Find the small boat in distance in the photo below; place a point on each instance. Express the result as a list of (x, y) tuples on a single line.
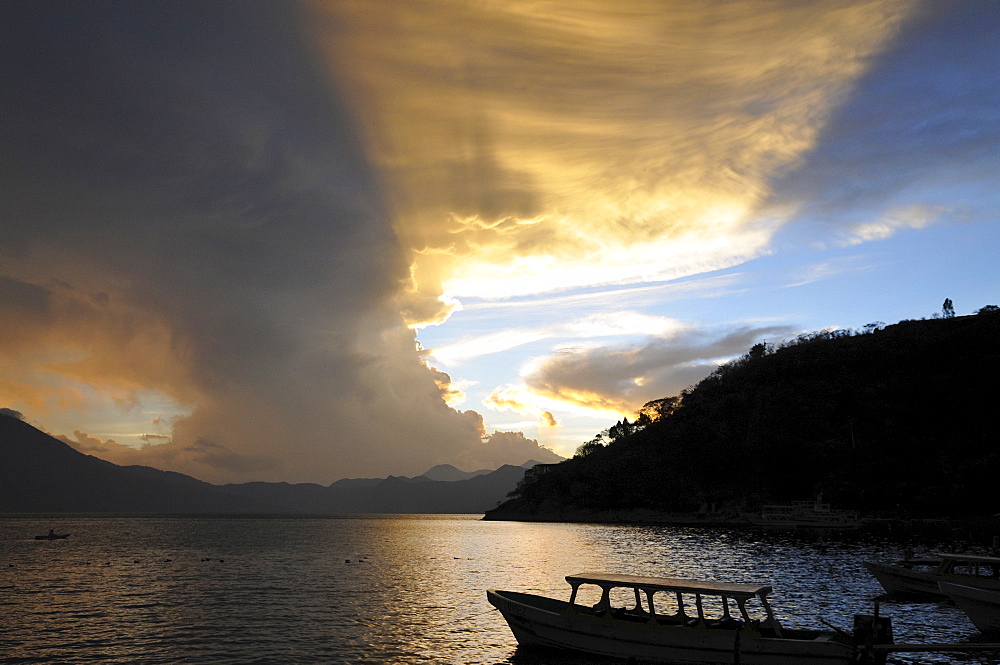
[(682, 621), (920, 577), (982, 606), (52, 535)]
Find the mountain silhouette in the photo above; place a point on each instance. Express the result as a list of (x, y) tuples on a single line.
[(40, 474), (451, 473)]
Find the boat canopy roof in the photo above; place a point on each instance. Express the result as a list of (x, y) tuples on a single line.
[(969, 558), (671, 584)]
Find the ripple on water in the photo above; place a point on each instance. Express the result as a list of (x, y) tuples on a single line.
[(383, 589)]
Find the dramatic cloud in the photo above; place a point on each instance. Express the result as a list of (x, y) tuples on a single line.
[(188, 212), (225, 220), (530, 147)]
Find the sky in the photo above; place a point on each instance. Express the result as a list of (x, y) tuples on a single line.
[(304, 241)]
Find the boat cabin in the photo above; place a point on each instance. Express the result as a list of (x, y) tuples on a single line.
[(670, 601)]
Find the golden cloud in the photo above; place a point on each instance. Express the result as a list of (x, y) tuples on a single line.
[(72, 346), (537, 402), (529, 147)]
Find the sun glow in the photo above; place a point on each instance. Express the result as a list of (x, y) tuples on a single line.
[(534, 403)]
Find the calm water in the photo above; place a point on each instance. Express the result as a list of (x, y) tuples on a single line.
[(381, 589)]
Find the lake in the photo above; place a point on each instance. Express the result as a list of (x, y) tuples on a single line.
[(386, 588)]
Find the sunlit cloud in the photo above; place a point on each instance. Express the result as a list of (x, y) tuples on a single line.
[(530, 148), (534, 404), (623, 323), (714, 286), (912, 217), (485, 344), (597, 325), (616, 381), (454, 391)]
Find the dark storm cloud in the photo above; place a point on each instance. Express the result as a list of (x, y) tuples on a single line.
[(192, 179)]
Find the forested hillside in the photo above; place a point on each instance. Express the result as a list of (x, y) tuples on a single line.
[(897, 420)]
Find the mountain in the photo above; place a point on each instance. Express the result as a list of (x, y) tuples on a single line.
[(449, 473), (395, 494), (39, 473), (894, 421)]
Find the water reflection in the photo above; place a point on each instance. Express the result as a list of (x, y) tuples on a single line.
[(387, 589)]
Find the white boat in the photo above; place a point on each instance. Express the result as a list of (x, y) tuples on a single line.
[(920, 577), (681, 621), (982, 606), (805, 515)]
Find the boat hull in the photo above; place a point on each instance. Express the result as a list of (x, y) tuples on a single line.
[(982, 606), (537, 621), (903, 581)]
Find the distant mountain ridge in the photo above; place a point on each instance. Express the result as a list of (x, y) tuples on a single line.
[(39, 473), (441, 472), (449, 473)]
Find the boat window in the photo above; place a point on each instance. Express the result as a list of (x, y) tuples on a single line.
[(665, 603), (690, 604), (670, 604), (964, 568), (754, 608), (715, 607), (588, 595), (622, 597)]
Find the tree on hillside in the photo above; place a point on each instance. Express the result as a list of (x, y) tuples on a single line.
[(948, 310), (591, 446), (659, 408)]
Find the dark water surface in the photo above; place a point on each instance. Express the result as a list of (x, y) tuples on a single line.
[(385, 589)]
